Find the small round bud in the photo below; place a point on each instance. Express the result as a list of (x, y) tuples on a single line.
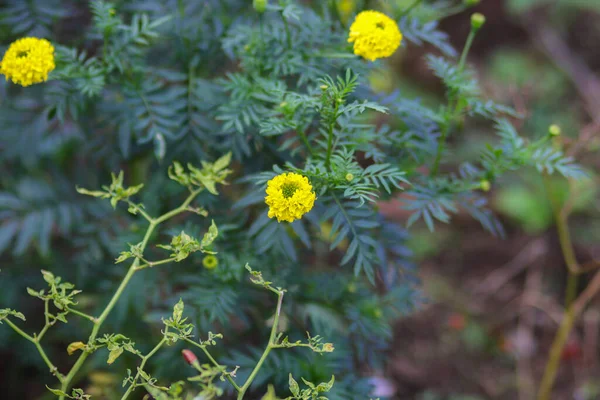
[(189, 357), (485, 185), (210, 262), (554, 130), (260, 5), (477, 21), (283, 104), (323, 87), (112, 12), (351, 287), (349, 177), (471, 3)]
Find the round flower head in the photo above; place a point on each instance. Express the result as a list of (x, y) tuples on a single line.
[(289, 197), (375, 35), (28, 61), (210, 262)]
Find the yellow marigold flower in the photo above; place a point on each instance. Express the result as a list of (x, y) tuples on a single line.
[(375, 35), (210, 262), (289, 197), (28, 61)]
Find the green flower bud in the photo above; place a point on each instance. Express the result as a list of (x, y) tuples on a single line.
[(485, 185), (210, 262), (349, 177), (477, 21), (323, 87), (260, 5), (554, 130)]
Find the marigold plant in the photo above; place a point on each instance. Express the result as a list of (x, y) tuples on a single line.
[(254, 157)]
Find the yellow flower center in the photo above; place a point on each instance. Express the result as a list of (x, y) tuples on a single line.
[(288, 189)]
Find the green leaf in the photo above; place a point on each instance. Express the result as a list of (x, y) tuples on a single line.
[(114, 354), (7, 311), (178, 311), (35, 293), (294, 388), (222, 162), (94, 193), (48, 277), (210, 236), (58, 392), (326, 387)]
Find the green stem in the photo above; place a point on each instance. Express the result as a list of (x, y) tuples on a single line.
[(455, 108), (83, 315), (440, 148), (214, 362), (141, 367), (288, 35), (566, 325), (269, 347), (333, 55), (40, 335), (183, 207), (330, 135), (151, 264), (113, 301), (141, 211), (304, 138), (38, 346), (555, 352), (465, 52)]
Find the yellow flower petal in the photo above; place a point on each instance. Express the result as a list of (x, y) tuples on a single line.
[(375, 35), (289, 197), (28, 61)]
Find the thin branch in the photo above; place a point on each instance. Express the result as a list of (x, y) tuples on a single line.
[(214, 362)]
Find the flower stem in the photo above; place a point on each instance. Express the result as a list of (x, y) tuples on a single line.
[(466, 49), (214, 362), (568, 320), (440, 148), (268, 349), (304, 138), (151, 264), (83, 315), (141, 367), (38, 346), (288, 35), (453, 105), (66, 382), (330, 135)]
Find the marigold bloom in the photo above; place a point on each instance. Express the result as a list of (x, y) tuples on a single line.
[(210, 262), (289, 197), (28, 61), (375, 35)]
